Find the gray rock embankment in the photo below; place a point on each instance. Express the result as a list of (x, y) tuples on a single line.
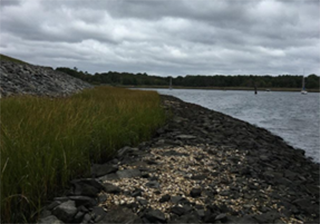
[(21, 79), (202, 167)]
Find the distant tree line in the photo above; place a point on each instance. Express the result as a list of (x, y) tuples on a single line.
[(130, 79)]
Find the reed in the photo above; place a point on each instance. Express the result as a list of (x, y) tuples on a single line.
[(46, 142)]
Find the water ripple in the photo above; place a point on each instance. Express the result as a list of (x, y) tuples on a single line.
[(291, 115)]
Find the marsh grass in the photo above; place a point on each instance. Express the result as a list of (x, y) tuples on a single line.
[(46, 142)]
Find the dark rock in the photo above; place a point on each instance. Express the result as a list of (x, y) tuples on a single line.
[(98, 170), (61, 199), (283, 181), (314, 210), (127, 151), (121, 152), (110, 188), (50, 219), (290, 175), (195, 192), (178, 210), (224, 193), (279, 221), (137, 192), (120, 215), (87, 187), (142, 201), (245, 220), (169, 142), (224, 208), (83, 209), (199, 177), (142, 167), (222, 217), (112, 176), (264, 157), (102, 198), (210, 193), (151, 162), (145, 175), (315, 220), (53, 205), (84, 200), (153, 184), (98, 213), (45, 212), (155, 216), (161, 131), (176, 199), (164, 198), (188, 218), (65, 211), (268, 217), (144, 220), (209, 217), (200, 213), (87, 218), (153, 178), (133, 206), (128, 173), (184, 201), (78, 217), (303, 202), (313, 189)]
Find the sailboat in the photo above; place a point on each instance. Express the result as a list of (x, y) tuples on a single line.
[(303, 91)]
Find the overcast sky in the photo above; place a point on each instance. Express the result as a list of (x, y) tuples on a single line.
[(165, 37)]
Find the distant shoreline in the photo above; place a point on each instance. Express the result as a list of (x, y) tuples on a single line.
[(224, 88)]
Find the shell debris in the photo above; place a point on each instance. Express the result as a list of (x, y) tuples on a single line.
[(176, 171)]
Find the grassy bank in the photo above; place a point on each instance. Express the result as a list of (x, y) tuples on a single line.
[(7, 58), (46, 142)]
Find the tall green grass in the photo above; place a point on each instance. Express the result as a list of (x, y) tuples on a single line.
[(46, 142)]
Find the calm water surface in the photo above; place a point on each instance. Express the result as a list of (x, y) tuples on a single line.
[(291, 115)]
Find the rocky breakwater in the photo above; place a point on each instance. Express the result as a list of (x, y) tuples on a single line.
[(202, 167), (20, 79)]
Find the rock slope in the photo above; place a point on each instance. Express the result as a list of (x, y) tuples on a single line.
[(202, 167), (18, 79)]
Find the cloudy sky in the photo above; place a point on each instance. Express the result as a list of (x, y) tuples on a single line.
[(164, 37)]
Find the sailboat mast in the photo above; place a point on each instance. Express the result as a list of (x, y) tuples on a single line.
[(303, 84), (303, 91)]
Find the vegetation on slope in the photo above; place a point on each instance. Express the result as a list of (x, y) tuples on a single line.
[(247, 81), (46, 142), (7, 58)]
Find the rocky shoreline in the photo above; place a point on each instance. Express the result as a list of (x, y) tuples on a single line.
[(201, 167)]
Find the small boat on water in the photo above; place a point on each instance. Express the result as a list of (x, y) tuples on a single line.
[(303, 91)]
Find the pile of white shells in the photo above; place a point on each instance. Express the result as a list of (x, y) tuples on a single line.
[(173, 174)]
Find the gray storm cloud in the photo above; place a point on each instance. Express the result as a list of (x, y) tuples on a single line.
[(165, 37)]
